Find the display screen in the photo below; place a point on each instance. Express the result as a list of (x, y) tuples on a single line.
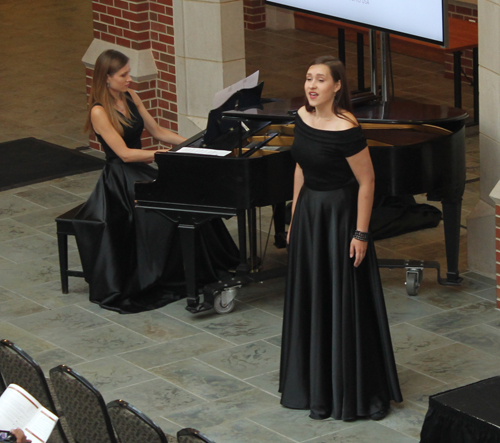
[(422, 19)]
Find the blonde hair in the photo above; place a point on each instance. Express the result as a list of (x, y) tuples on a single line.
[(108, 63)]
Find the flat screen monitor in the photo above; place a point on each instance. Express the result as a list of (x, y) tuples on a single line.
[(425, 20)]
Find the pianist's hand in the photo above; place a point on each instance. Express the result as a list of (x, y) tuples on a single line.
[(358, 251)]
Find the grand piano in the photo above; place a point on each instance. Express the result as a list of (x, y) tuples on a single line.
[(415, 149)]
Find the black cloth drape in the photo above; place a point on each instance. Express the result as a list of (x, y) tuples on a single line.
[(132, 258), (470, 414)]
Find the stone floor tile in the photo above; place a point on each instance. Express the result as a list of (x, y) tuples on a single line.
[(245, 327), (176, 350), (103, 341), (215, 413), (245, 361), (178, 310), (403, 308), (201, 379), (30, 343), (155, 397), (50, 296), (21, 277), (244, 431), (460, 318), (11, 206), (272, 304), (55, 357), (15, 310), (41, 216), (483, 337), (421, 397), (408, 340), (49, 197), (454, 362), (26, 249), (366, 431), (406, 418), (156, 326), (11, 229), (412, 382), (110, 373), (296, 424), (64, 322)]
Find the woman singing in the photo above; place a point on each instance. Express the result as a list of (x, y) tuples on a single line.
[(337, 358)]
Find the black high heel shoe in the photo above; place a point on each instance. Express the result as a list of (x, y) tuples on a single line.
[(379, 415)]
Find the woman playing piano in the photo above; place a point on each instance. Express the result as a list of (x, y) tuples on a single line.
[(337, 359), (132, 258)]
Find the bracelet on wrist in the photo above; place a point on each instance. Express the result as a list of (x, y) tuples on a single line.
[(362, 236)]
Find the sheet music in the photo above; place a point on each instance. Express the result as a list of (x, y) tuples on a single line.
[(202, 151), (249, 82)]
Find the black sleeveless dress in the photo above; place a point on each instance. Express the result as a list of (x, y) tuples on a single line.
[(336, 356), (132, 258)]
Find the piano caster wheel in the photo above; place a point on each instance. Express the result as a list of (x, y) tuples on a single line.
[(413, 279), (224, 302)]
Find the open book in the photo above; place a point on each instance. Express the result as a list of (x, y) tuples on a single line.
[(19, 409)]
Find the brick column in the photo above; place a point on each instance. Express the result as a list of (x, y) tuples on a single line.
[(254, 14), (467, 14), (144, 31)]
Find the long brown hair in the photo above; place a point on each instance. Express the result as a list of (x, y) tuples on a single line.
[(108, 63), (342, 101)]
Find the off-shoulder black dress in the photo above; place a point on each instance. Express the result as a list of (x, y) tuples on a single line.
[(132, 258), (337, 358)]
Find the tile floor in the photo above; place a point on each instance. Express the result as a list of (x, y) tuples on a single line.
[(217, 373)]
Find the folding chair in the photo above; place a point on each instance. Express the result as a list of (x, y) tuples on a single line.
[(83, 407), (133, 426), (16, 366), (190, 435)]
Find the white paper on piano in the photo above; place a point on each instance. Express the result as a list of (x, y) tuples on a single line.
[(249, 82), (19, 409), (202, 151)]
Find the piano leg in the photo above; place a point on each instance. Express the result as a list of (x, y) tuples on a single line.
[(243, 267), (255, 262), (279, 214), (451, 218), (188, 243)]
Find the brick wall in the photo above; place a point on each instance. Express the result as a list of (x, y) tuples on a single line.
[(142, 24), (254, 14), (463, 13)]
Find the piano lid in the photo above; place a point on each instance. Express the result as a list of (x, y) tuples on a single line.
[(406, 111), (395, 111)]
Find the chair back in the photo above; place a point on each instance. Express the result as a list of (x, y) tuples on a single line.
[(83, 407), (132, 425), (190, 435), (16, 366)]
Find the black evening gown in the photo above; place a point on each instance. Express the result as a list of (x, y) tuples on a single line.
[(132, 258), (336, 358)]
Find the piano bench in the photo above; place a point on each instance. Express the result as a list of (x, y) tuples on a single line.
[(64, 228)]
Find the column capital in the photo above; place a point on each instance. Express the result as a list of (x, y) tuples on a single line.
[(142, 63)]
